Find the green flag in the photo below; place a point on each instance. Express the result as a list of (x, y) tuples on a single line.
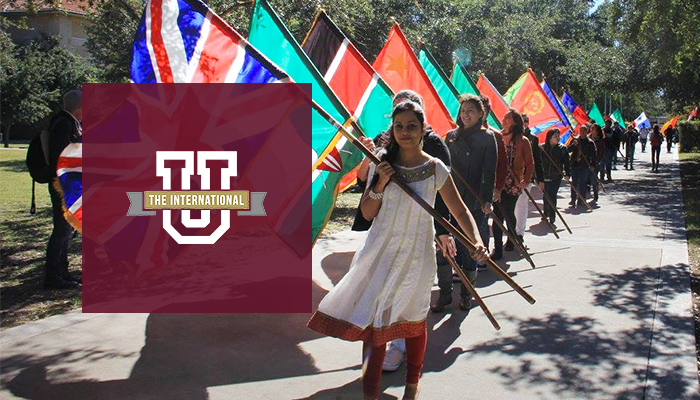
[(617, 116), (272, 38), (464, 84), (596, 115), (446, 91)]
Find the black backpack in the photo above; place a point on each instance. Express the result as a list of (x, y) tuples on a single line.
[(38, 158)]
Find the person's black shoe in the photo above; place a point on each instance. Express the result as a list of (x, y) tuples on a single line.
[(56, 282), (443, 301), (496, 254), (465, 303), (509, 246)]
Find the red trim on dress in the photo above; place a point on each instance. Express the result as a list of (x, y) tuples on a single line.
[(330, 326)]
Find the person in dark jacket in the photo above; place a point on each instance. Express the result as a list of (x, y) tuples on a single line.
[(473, 154), (631, 139), (65, 128), (555, 160), (596, 136), (583, 156), (522, 206), (668, 134), (609, 151), (618, 139)]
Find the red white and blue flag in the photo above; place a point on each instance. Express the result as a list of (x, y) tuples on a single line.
[(69, 171), (183, 41)]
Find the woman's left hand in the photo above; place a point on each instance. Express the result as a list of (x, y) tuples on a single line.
[(480, 253)]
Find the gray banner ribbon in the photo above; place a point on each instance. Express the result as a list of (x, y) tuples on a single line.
[(256, 205)]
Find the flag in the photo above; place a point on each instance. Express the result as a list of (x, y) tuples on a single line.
[(183, 41), (670, 124), (526, 96), (330, 161), (693, 114), (595, 114), (444, 88), (576, 111), (617, 116), (498, 105), (69, 184), (641, 121), (400, 68), (566, 132), (464, 84), (357, 85)]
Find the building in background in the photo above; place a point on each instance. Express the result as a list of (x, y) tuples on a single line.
[(65, 20)]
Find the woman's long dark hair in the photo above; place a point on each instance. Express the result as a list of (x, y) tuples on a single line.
[(390, 152), (550, 133), (476, 100), (519, 126)]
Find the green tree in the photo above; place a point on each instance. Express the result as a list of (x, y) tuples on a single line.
[(40, 72)]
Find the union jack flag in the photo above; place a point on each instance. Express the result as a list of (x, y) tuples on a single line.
[(184, 41), (69, 182)]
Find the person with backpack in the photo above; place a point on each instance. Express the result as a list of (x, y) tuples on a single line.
[(65, 128)]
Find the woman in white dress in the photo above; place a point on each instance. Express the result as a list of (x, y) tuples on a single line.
[(386, 293)]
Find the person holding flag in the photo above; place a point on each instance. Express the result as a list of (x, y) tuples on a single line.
[(386, 293), (522, 206), (520, 166), (555, 162), (583, 156), (631, 139), (609, 145), (473, 154), (669, 133), (597, 138)]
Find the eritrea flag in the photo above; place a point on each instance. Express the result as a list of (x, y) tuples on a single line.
[(357, 85), (596, 115), (498, 104), (400, 68), (464, 84), (526, 96)]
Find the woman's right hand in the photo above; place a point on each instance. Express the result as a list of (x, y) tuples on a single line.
[(385, 171), (368, 143)]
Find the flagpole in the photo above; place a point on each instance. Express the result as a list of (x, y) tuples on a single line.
[(401, 184), (470, 287), (496, 220)]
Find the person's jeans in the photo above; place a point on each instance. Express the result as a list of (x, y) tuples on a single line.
[(608, 160), (655, 153), (468, 265), (629, 159), (579, 176), (644, 144), (508, 202), (669, 143), (57, 248), (551, 188)]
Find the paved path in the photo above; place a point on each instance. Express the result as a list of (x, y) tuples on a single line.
[(612, 321)]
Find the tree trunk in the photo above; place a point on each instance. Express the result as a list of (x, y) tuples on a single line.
[(6, 134)]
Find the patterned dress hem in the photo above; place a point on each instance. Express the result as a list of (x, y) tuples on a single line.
[(340, 329)]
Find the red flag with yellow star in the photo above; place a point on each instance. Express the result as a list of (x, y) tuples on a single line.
[(400, 69)]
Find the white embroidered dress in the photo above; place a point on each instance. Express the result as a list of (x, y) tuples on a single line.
[(386, 293)]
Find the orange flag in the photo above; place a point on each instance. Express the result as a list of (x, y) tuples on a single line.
[(498, 105), (400, 69), (671, 123)]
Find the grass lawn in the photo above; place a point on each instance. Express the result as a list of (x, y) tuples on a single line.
[(23, 239), (344, 213), (690, 176)]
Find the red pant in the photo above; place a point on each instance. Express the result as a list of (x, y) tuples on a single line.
[(373, 358)]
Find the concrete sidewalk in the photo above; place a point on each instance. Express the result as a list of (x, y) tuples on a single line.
[(613, 320)]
